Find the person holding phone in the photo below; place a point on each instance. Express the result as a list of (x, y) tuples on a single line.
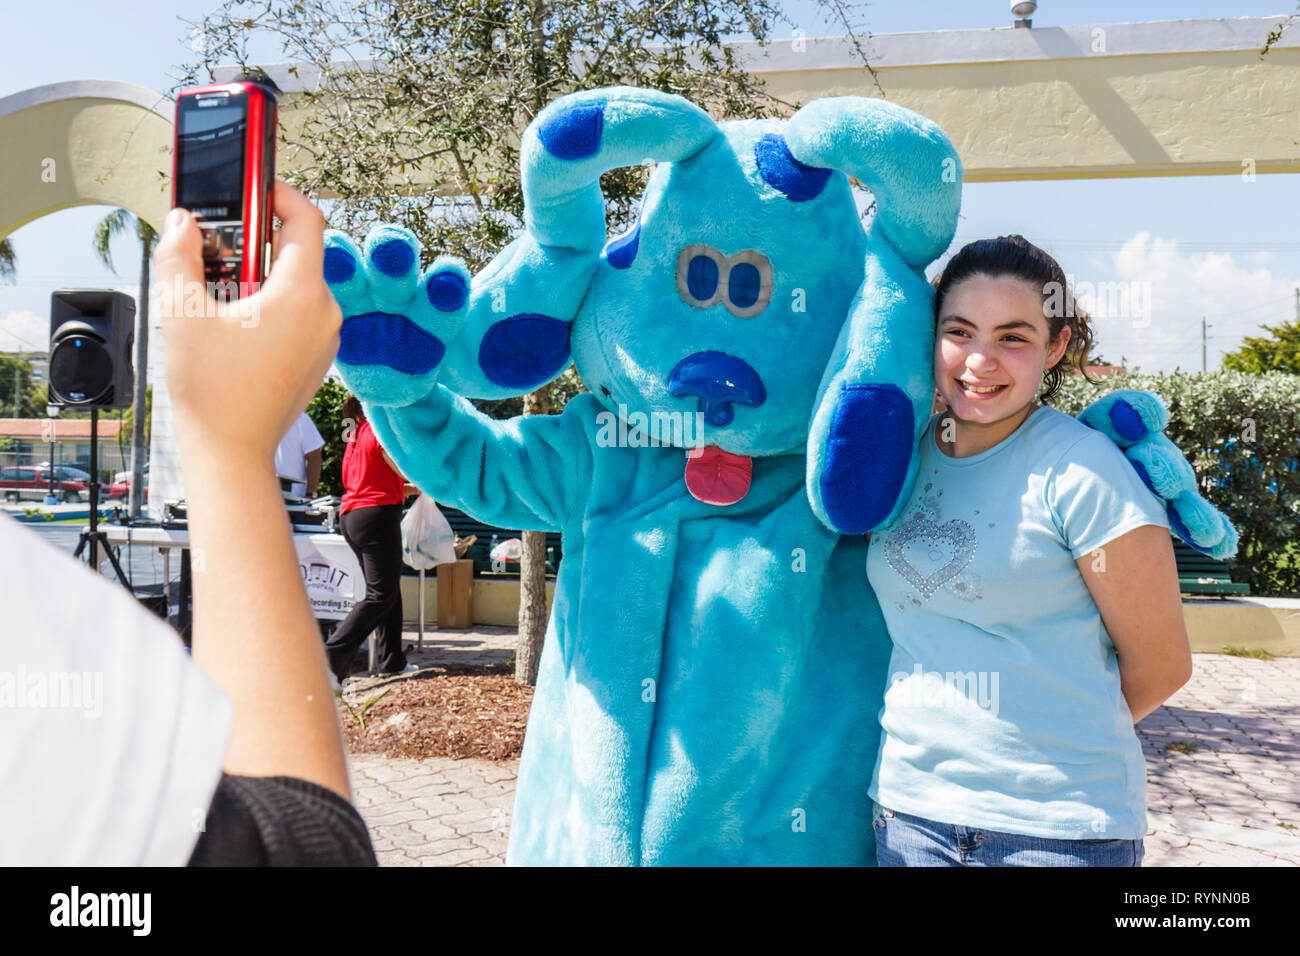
[(1031, 593), (235, 756)]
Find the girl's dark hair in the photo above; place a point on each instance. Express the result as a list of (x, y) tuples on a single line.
[(1016, 257), (351, 408)]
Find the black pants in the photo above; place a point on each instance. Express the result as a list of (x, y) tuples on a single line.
[(375, 536)]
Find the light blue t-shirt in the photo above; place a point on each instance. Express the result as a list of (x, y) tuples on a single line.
[(1003, 709)]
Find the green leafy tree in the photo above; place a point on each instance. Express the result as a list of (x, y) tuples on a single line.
[(20, 395), (1279, 351), (412, 113), (326, 412), (8, 261), (16, 372)]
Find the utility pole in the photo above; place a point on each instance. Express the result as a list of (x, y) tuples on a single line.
[(1297, 304), (1203, 337)]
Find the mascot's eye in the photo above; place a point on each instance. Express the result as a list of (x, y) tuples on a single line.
[(702, 278), (699, 267), (741, 283)]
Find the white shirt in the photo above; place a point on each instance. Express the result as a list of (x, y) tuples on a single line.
[(294, 446), (111, 738)]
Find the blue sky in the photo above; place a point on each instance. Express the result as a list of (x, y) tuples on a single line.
[(1212, 246)]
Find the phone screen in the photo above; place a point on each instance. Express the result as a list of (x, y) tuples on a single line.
[(210, 169)]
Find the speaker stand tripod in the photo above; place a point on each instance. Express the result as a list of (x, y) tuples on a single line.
[(93, 536)]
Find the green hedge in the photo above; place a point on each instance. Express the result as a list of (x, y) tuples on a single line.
[(1241, 432)]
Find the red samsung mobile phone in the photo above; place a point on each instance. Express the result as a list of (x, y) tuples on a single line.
[(223, 172)]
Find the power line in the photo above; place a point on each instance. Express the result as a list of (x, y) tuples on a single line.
[(1195, 244), (34, 348)]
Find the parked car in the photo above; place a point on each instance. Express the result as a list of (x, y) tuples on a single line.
[(32, 483), (67, 472), (122, 489), (121, 476), (121, 486)]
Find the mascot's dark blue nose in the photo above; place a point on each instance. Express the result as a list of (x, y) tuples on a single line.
[(720, 380)]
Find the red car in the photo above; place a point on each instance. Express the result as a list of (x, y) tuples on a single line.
[(27, 482), (121, 489)]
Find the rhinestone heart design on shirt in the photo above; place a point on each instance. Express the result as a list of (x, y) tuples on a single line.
[(922, 527)]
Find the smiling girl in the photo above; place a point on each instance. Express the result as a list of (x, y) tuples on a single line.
[(1031, 593)]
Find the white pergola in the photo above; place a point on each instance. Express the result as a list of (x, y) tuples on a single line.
[(1172, 98)]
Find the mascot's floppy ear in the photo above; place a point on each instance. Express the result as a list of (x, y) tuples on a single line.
[(521, 307), (578, 137), (905, 160), (878, 386)]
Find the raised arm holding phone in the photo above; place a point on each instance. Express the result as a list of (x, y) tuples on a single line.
[(233, 756), (249, 600)]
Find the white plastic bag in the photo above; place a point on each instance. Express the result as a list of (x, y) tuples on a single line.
[(511, 549), (427, 539)]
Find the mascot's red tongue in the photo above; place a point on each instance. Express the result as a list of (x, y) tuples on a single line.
[(718, 477)]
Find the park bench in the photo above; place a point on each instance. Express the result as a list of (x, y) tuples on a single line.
[(479, 552), (1201, 574)]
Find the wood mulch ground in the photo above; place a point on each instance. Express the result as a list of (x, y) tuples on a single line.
[(443, 711)]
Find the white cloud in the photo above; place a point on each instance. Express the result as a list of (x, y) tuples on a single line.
[(1234, 296)]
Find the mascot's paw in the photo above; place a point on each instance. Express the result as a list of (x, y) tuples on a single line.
[(1126, 417), (397, 323), (869, 444), (1135, 421)]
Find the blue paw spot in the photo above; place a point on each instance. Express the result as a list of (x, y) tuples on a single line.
[(524, 351), (1128, 423), (573, 133), (1143, 474), (784, 173), (447, 291), (720, 382), (744, 285), (379, 338), (1180, 529), (339, 265), (621, 250), (868, 452), (702, 278), (393, 258)]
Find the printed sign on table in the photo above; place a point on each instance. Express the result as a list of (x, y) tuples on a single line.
[(331, 574)]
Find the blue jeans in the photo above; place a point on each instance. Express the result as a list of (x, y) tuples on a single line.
[(903, 840)]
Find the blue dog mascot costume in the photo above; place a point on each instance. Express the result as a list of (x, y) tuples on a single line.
[(760, 371)]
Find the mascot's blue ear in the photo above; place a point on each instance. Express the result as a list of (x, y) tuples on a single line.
[(878, 387), (522, 306), (578, 137), (905, 160)]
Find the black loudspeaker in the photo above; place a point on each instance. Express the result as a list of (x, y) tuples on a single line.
[(92, 333)]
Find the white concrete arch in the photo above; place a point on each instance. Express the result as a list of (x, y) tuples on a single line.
[(85, 142)]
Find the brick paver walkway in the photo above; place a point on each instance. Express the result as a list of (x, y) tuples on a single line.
[(1223, 766), (1223, 770)]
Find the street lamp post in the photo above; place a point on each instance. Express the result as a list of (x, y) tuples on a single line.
[(52, 411)]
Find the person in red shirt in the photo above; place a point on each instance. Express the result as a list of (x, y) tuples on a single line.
[(371, 521)]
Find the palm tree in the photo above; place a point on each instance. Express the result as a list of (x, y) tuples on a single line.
[(119, 221), (8, 261)]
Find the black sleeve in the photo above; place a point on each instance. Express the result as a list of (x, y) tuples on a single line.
[(281, 821)]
